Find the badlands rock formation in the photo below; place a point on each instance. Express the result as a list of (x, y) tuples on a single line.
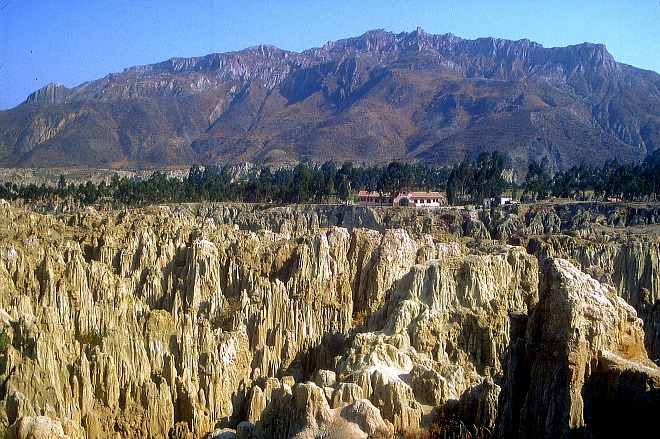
[(320, 321)]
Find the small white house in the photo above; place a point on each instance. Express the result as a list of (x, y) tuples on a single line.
[(489, 202), (403, 198)]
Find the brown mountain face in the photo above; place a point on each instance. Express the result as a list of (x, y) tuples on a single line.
[(370, 99)]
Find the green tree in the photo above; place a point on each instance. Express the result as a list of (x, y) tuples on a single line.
[(488, 180), (61, 182), (537, 181), (302, 178), (651, 166), (343, 178), (395, 177), (460, 182)]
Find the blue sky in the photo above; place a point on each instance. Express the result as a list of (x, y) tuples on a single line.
[(70, 42)]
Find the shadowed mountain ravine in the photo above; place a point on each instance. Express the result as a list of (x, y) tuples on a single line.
[(370, 99)]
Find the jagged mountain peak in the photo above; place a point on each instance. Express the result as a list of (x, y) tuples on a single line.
[(372, 98), (383, 42), (52, 92), (212, 62)]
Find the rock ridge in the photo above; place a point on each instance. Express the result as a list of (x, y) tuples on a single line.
[(307, 321), (381, 96)]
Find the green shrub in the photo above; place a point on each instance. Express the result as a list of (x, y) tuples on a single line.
[(5, 342), (91, 337), (224, 317)]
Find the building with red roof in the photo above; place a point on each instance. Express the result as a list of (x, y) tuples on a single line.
[(402, 198)]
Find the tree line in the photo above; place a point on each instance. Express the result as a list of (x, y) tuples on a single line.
[(613, 180), (304, 183), (331, 182), (472, 182)]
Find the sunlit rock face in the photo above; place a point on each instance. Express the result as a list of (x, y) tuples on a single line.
[(328, 321), (631, 264), (581, 361)]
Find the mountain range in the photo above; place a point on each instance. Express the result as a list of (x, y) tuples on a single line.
[(372, 99)]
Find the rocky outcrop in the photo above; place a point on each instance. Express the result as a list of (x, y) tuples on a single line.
[(56, 93), (141, 321), (569, 371), (616, 243), (305, 321), (443, 330), (629, 263), (43, 427)]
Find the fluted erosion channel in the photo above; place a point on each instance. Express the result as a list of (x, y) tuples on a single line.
[(324, 321)]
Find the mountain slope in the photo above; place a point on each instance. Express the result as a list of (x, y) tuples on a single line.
[(374, 98)]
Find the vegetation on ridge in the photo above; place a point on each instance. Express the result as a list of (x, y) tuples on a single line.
[(303, 183), (465, 182)]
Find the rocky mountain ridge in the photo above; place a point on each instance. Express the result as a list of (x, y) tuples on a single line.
[(374, 98), (335, 321)]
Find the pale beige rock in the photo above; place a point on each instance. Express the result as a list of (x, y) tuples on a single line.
[(39, 427), (18, 406), (422, 351), (543, 221), (171, 322), (346, 393), (395, 400), (288, 380), (256, 403), (363, 413), (309, 399), (628, 262), (580, 337), (325, 378), (428, 385)]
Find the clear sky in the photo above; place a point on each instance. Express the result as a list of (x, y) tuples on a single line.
[(73, 41)]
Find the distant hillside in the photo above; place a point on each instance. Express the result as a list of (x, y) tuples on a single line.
[(370, 99)]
